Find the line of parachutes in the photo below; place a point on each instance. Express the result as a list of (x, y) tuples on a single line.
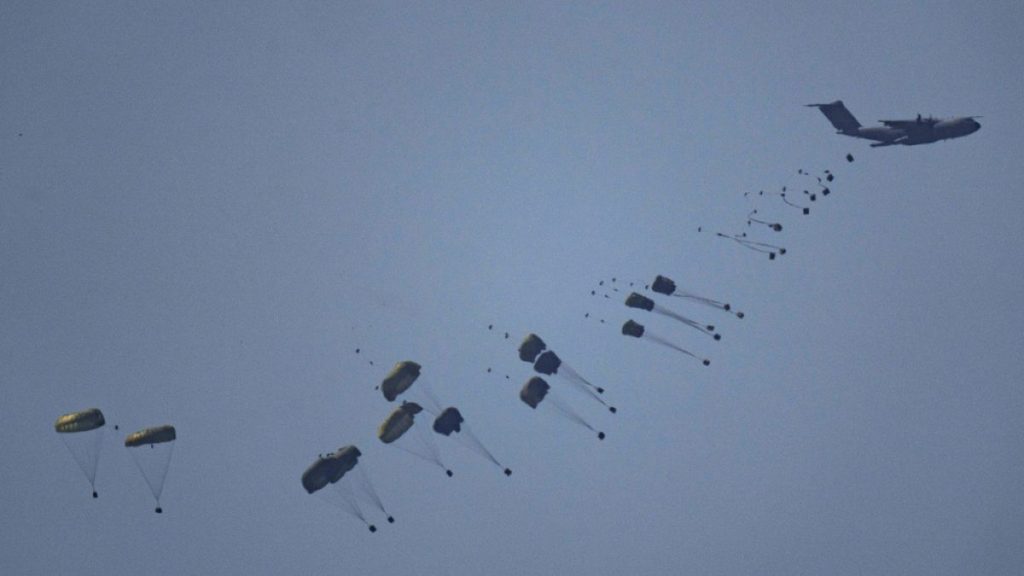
[(150, 448), (341, 478)]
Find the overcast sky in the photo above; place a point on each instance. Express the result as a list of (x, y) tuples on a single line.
[(205, 209)]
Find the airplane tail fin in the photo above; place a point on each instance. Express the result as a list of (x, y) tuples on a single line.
[(838, 115)]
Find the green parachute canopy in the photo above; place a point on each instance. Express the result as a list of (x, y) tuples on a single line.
[(634, 329), (83, 421), (399, 379), (351, 490), (82, 434), (531, 346), (448, 421), (153, 462), (534, 391), (150, 436), (640, 301), (330, 468), (547, 363), (663, 285), (398, 422)]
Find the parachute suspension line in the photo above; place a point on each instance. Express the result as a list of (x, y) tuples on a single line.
[(739, 241), (351, 503), (431, 452), (706, 329), (473, 441), (574, 375), (145, 476), (568, 412), (86, 453), (586, 387), (770, 249), (773, 225), (419, 455), (703, 300), (157, 488), (590, 392), (764, 244), (367, 485), (709, 302), (342, 497), (664, 342), (805, 209), (434, 407)]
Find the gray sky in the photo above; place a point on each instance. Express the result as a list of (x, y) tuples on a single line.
[(204, 210)]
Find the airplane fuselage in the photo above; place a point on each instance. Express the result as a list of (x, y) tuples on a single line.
[(925, 134), (905, 132)]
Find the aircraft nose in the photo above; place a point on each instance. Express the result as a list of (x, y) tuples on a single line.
[(975, 125)]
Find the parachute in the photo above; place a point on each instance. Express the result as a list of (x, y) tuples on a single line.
[(419, 443), (642, 302), (637, 330), (151, 436), (665, 285), (547, 363), (83, 421), (450, 421), (537, 390), (398, 422), (329, 469), (532, 346), (82, 434), (336, 468), (639, 301), (154, 461), (534, 391), (631, 328), (399, 379)]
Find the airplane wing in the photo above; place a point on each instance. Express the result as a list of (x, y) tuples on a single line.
[(910, 124), (899, 140)]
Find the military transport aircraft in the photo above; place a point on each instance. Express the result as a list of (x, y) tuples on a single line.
[(906, 132)]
